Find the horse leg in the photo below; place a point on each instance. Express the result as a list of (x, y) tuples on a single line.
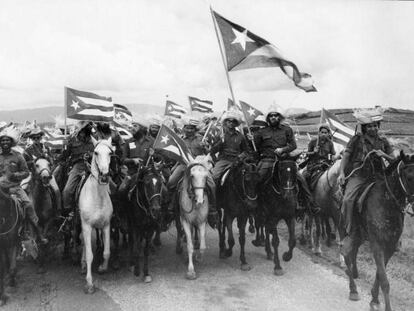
[(241, 223), (115, 256), (302, 238), (148, 235), (87, 241), (268, 249), (251, 224), (353, 291), (316, 236), (106, 237), (277, 270), (230, 239), (138, 242), (222, 237), (196, 238), (3, 297), (178, 245), (157, 238), (202, 230), (191, 275), (99, 247), (12, 265), (287, 256), (381, 260)]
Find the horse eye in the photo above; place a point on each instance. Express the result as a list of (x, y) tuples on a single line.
[(95, 153)]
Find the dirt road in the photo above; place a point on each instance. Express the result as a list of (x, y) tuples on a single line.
[(220, 285)]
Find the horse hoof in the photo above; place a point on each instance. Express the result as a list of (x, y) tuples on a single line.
[(251, 229), (287, 256), (148, 279), (354, 296), (269, 256), (258, 243), (278, 272), (41, 270), (374, 306), (245, 267), (190, 275), (228, 252), (102, 269), (89, 289)]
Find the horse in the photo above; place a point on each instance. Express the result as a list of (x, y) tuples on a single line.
[(278, 199), (46, 203), (144, 215), (327, 195), (193, 201), (238, 199), (96, 209), (9, 238), (381, 220)]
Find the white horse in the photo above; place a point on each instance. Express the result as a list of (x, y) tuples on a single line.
[(96, 208), (194, 207)]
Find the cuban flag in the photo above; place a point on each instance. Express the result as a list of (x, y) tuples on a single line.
[(81, 105), (122, 115), (174, 110), (201, 105), (341, 133), (250, 113)]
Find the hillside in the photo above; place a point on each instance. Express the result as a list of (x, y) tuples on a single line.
[(396, 122)]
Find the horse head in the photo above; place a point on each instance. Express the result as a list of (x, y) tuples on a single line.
[(101, 159), (151, 187), (284, 176), (197, 173), (42, 170), (405, 170), (247, 178)]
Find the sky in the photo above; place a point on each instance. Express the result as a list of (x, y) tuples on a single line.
[(359, 53)]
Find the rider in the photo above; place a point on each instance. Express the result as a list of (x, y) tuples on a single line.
[(197, 147), (13, 169), (38, 150), (154, 127), (79, 150), (277, 139), (320, 153), (358, 174), (232, 147)]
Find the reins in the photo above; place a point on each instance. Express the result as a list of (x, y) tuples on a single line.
[(17, 214)]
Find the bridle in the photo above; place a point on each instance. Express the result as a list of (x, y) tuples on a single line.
[(45, 169), (244, 186), (140, 204), (401, 182), (289, 188), (97, 167), (190, 186)]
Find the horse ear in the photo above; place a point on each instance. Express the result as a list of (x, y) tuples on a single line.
[(110, 140), (94, 141), (403, 156)]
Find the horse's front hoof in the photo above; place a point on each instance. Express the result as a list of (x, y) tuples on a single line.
[(41, 270), (317, 252), (374, 306), (278, 272), (354, 296), (287, 256), (190, 275), (3, 299), (251, 229), (245, 267), (102, 269), (229, 252), (147, 279), (89, 289)]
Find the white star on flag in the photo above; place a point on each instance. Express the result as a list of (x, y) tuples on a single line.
[(165, 139), (75, 105), (251, 112), (241, 38)]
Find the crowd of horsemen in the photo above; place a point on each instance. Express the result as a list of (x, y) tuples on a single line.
[(268, 140)]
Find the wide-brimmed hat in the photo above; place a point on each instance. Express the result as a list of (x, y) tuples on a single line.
[(11, 133), (36, 132), (324, 126), (260, 121), (190, 121), (368, 115), (232, 115)]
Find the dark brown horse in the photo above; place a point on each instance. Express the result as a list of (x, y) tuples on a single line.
[(381, 221), (278, 199), (144, 216), (238, 199), (9, 226)]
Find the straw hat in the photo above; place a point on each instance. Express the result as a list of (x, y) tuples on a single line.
[(232, 115), (368, 115), (12, 133), (36, 132)]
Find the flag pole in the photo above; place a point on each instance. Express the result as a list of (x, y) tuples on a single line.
[(228, 76), (65, 108)]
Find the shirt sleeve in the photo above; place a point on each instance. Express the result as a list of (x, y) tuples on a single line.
[(350, 147), (290, 141)]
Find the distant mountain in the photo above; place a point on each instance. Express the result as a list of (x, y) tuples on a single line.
[(47, 114)]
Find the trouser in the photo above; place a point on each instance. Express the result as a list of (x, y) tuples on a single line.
[(56, 191), (219, 169), (75, 176), (264, 169), (26, 204), (352, 191)]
